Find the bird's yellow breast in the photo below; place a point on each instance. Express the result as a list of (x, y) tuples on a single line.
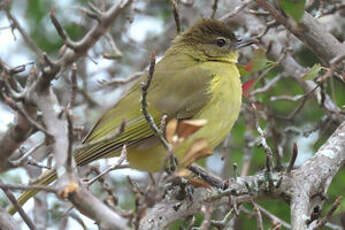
[(221, 112)]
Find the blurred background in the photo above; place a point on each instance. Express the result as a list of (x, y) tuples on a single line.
[(149, 25)]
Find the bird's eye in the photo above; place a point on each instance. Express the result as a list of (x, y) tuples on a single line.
[(221, 42)]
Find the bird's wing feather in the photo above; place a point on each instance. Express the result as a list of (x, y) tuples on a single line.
[(178, 93)]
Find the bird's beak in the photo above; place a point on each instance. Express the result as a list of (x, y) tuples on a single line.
[(243, 42)]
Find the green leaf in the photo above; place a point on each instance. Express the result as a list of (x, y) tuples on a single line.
[(312, 73), (293, 8), (258, 62)]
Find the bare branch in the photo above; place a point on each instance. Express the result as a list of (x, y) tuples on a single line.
[(293, 158), (144, 105), (93, 208), (26, 38), (258, 215), (214, 8), (12, 198), (322, 43), (330, 212), (119, 164), (176, 16), (6, 220)]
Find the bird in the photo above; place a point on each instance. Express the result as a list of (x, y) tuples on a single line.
[(197, 78)]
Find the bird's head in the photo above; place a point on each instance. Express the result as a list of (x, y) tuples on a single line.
[(210, 39)]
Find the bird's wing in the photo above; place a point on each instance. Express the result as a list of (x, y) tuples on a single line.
[(174, 93), (183, 94)]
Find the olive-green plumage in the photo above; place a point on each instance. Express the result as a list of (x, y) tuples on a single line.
[(196, 79)]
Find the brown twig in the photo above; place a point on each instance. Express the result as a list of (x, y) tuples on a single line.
[(330, 212), (144, 105), (258, 216), (293, 158), (116, 81), (26, 38), (119, 164), (10, 102), (214, 8), (236, 11), (115, 52), (73, 83), (63, 34), (12, 198), (176, 16), (220, 224), (26, 155), (206, 176), (69, 161), (274, 218)]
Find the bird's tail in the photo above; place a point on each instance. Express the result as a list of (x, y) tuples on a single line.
[(45, 179)]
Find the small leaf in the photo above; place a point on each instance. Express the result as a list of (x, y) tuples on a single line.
[(188, 127), (197, 150), (170, 130), (258, 62), (293, 8), (176, 132), (249, 66), (312, 73), (247, 87)]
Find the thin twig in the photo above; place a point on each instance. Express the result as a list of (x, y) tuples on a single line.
[(330, 212), (28, 187), (176, 16), (220, 224), (293, 158), (274, 218), (63, 34), (121, 81), (12, 198), (144, 105), (9, 101), (115, 52), (262, 142), (123, 157), (74, 83), (286, 98), (69, 161), (258, 217), (26, 38), (267, 87), (236, 11), (206, 176), (25, 156), (214, 8)]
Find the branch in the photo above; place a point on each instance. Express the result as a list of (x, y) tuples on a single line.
[(26, 38), (275, 45), (165, 212), (310, 32), (93, 208), (313, 178), (144, 104), (176, 16), (12, 198), (7, 221)]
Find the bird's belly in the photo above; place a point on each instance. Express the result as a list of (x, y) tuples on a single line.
[(221, 113), (148, 155)]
